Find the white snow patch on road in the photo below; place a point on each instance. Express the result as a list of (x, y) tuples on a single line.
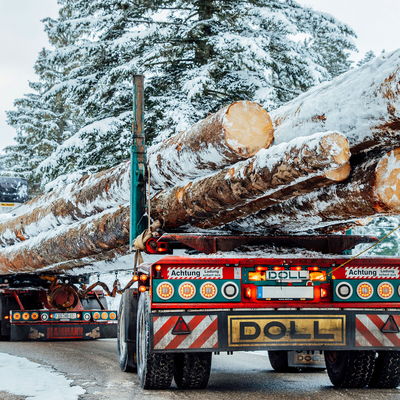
[(22, 377)]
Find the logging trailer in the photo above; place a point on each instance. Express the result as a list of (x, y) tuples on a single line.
[(48, 306), (186, 308)]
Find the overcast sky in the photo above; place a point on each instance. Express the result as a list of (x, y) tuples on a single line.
[(21, 38)]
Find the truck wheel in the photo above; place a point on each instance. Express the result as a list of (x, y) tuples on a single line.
[(155, 370), (192, 370), (387, 370), (350, 369), (279, 361), (126, 331)]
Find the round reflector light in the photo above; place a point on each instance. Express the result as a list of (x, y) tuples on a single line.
[(344, 290), (365, 290), (385, 290), (208, 290), (25, 316), (187, 290), (44, 317), (17, 316), (34, 315), (165, 290), (230, 290), (87, 316)]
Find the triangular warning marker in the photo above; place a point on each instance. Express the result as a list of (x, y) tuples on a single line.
[(181, 327), (390, 326)]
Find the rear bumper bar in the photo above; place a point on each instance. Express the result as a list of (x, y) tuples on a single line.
[(63, 331), (277, 330)]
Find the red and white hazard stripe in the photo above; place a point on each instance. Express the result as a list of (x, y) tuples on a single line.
[(369, 334), (203, 333)]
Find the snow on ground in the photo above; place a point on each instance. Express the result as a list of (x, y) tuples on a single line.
[(22, 377)]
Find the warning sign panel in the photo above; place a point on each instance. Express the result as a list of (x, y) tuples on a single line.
[(286, 330)]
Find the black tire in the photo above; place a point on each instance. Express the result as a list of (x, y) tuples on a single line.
[(387, 370), (5, 307), (155, 370), (126, 331), (350, 369), (192, 370), (279, 361)]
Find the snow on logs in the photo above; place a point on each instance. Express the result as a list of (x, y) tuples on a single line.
[(234, 133), (372, 189), (95, 238), (272, 175), (90, 195), (363, 104)]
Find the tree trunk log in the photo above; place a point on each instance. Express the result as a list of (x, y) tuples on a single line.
[(234, 133), (363, 104), (90, 195), (83, 241), (372, 189), (284, 170)]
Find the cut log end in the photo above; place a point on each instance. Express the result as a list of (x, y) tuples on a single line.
[(387, 180), (339, 174), (337, 145), (248, 128)]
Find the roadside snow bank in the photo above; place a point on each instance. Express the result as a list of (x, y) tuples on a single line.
[(20, 376)]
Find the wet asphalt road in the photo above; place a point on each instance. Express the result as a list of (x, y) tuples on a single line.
[(93, 366)]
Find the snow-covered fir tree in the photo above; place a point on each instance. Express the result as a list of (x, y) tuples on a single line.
[(368, 56), (197, 55)]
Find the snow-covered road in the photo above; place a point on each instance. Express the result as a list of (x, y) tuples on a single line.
[(22, 377)]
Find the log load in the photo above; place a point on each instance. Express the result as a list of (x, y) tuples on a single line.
[(234, 133), (363, 104), (90, 195), (272, 175), (95, 238), (372, 189)]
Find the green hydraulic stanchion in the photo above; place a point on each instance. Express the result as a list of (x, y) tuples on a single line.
[(138, 163)]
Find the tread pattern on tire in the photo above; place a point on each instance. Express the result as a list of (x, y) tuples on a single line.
[(127, 361), (158, 368), (352, 369), (192, 370), (387, 370)]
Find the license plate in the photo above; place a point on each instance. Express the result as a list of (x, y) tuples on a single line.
[(285, 292), (306, 358), (65, 316)]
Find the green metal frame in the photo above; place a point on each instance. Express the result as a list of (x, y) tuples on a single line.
[(138, 163)]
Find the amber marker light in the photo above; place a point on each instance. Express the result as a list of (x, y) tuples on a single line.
[(142, 289), (318, 276), (324, 293), (257, 276), (25, 316), (96, 315), (365, 290), (35, 315), (164, 290), (135, 278), (187, 290), (208, 290), (144, 277), (247, 293), (113, 315), (17, 316), (385, 290), (158, 268)]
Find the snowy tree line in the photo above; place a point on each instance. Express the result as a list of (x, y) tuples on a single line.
[(197, 55)]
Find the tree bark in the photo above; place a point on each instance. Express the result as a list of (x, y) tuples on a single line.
[(90, 195), (234, 133), (270, 176), (363, 104), (372, 189), (92, 239)]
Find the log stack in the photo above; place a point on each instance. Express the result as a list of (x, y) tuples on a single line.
[(324, 162)]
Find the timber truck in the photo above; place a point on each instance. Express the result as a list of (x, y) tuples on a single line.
[(48, 306), (186, 308)]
